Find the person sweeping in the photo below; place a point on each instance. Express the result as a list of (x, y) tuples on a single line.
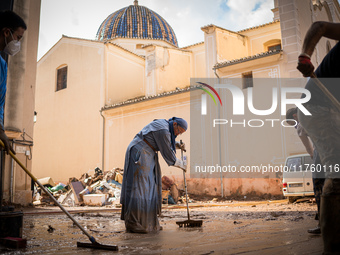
[(141, 195), (323, 125)]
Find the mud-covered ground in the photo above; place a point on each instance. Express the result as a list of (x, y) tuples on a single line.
[(228, 228)]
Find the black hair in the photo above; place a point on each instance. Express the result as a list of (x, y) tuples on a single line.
[(290, 113), (11, 20)]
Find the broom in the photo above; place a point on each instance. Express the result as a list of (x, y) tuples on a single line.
[(188, 223), (94, 244)]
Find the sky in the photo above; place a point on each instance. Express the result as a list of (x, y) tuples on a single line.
[(82, 18)]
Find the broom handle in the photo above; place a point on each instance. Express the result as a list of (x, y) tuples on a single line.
[(326, 92), (49, 193), (185, 185)]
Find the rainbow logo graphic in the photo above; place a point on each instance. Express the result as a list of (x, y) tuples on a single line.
[(204, 97)]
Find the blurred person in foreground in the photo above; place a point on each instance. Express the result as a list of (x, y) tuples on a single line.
[(318, 178), (323, 126), (12, 29)]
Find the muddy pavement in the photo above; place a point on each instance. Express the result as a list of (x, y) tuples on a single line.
[(230, 228)]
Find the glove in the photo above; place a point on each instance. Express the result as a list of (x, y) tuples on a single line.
[(180, 145), (304, 65), (180, 164), (5, 140)]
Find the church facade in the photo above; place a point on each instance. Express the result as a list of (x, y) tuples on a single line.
[(93, 96)]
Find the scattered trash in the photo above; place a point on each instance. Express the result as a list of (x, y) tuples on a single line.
[(77, 187), (50, 229), (268, 218), (99, 188), (302, 200), (297, 218), (95, 199), (277, 214), (47, 181), (102, 188), (60, 186)]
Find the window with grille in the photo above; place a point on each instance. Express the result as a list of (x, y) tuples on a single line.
[(61, 78), (247, 80)]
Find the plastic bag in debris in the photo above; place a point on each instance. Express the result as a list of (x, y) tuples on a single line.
[(60, 186)]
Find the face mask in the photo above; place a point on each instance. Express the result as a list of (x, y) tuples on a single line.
[(13, 47)]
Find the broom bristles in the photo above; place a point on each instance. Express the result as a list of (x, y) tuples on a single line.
[(190, 224)]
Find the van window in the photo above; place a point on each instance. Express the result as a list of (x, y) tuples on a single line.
[(294, 164)]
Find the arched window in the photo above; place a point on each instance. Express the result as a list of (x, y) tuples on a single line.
[(61, 77), (271, 45)]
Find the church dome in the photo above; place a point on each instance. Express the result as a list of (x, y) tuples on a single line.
[(136, 21)]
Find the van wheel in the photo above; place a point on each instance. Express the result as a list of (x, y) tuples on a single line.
[(292, 199)]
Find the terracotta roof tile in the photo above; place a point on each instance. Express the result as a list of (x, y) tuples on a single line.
[(244, 59)]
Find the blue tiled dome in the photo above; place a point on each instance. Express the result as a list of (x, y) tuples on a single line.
[(136, 21)]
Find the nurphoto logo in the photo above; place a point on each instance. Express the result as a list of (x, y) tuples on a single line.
[(238, 103), (204, 96)]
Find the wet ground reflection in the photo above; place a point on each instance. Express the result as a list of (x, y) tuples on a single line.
[(225, 230)]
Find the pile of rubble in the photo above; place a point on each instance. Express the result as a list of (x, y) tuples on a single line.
[(97, 190)]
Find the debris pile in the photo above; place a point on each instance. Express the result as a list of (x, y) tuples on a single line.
[(97, 190)]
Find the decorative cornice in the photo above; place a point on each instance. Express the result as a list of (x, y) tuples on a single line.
[(140, 38), (148, 98)]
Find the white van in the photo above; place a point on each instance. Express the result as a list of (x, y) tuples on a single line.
[(297, 181)]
